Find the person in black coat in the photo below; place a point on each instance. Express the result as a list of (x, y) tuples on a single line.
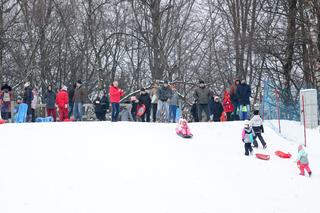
[(216, 109), (194, 111), (145, 99), (243, 95), (27, 99)]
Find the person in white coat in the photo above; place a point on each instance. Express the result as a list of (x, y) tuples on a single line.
[(257, 126)]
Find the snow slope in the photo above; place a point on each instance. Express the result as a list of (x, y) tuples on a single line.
[(100, 167)]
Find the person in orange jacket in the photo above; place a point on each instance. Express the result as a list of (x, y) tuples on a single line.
[(115, 94), (227, 105), (62, 101)]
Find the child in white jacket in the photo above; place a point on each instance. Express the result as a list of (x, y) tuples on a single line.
[(257, 126)]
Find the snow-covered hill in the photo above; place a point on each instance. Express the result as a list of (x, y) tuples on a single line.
[(100, 167)]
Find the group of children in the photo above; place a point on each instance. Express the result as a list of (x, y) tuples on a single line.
[(253, 129)]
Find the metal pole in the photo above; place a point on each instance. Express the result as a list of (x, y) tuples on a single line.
[(278, 110), (304, 122)]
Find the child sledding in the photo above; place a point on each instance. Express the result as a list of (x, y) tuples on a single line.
[(183, 129)]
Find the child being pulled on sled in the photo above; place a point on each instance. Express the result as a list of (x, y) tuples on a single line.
[(302, 161), (257, 126), (183, 128), (247, 137)]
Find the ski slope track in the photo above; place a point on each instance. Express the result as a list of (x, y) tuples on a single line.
[(103, 167)]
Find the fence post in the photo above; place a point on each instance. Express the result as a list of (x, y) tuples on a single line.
[(278, 109), (304, 122)]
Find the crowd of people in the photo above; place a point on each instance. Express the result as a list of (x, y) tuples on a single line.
[(158, 104)]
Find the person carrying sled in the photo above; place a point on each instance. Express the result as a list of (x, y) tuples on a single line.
[(115, 94), (247, 137), (62, 101), (303, 161), (257, 126), (145, 99), (183, 128)]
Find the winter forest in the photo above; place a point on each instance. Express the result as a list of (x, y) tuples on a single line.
[(138, 41)]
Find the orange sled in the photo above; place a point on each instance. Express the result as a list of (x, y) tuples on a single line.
[(282, 154)]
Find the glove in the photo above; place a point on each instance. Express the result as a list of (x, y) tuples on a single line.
[(66, 106), (243, 140)]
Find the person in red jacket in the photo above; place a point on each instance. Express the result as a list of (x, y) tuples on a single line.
[(115, 94), (62, 102), (227, 105)]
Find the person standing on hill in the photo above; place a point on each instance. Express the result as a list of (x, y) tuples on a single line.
[(243, 95), (79, 99), (154, 100), (62, 101), (216, 109), (145, 99), (227, 105), (6, 96), (34, 104), (50, 99), (71, 90), (173, 105), (115, 94), (27, 99), (234, 100), (164, 94), (202, 96)]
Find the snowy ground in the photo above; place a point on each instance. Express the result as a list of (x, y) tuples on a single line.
[(145, 168)]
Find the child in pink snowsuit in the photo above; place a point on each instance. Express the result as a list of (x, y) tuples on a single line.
[(183, 128), (302, 161)]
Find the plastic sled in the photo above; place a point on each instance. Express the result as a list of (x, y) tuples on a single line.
[(21, 117), (178, 115), (141, 109), (282, 154), (184, 136), (48, 119), (263, 156), (40, 120), (68, 120), (2, 121)]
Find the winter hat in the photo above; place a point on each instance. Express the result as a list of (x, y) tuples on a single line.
[(79, 81), (133, 98), (246, 123), (27, 84), (300, 147), (142, 89), (201, 82), (256, 112), (165, 82), (65, 88)]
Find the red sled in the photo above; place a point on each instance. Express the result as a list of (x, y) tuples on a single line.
[(2, 121), (141, 109), (263, 156), (282, 154), (68, 120)]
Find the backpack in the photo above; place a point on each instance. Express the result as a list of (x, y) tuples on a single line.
[(6, 97)]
